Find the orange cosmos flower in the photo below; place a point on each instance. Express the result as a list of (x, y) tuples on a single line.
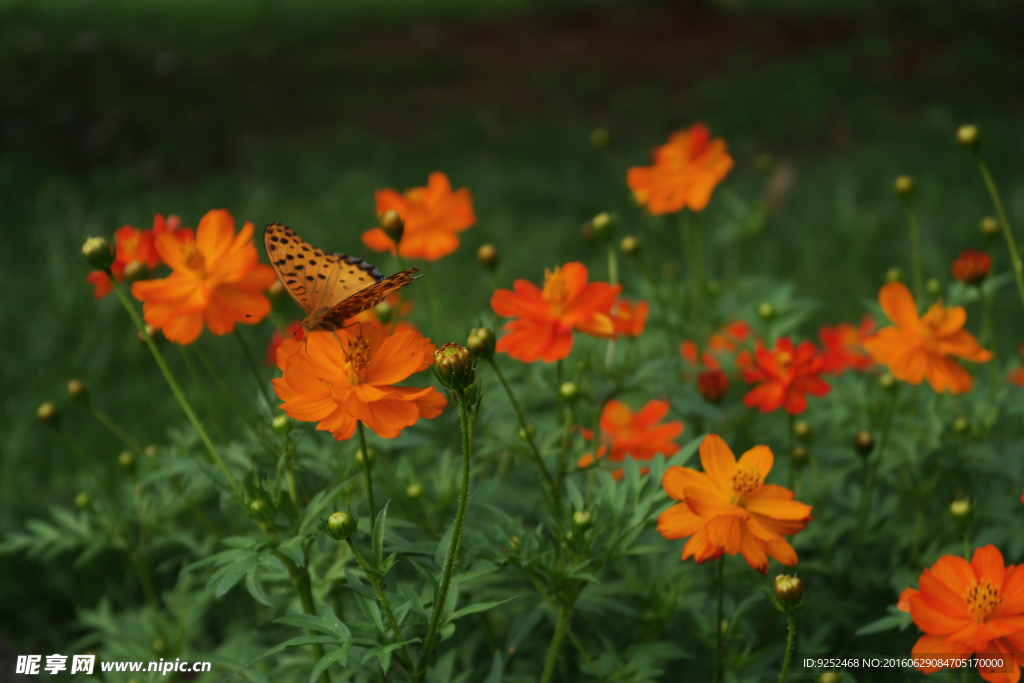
[(629, 319), (131, 246), (545, 319), (843, 346), (294, 331), (337, 378), (432, 215), (728, 508), (684, 174), (970, 607), (638, 435), (972, 266), (217, 280), (785, 376), (916, 347)]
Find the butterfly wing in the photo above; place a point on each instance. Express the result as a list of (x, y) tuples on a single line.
[(366, 298)]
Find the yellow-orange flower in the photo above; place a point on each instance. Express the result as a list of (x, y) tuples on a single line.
[(916, 347), (728, 508), (684, 174), (432, 217), (338, 378), (217, 280), (545, 319)]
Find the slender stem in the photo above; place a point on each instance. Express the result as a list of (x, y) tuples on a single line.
[(561, 627), (367, 478), (915, 249), (194, 376), (251, 360), (718, 621), (453, 545), (522, 425), (558, 390), (196, 510), (915, 544), (790, 638), (221, 386), (1018, 267), (382, 598), (791, 467), (105, 420), (176, 390), (289, 473), (987, 337), (613, 265), (870, 471), (564, 450), (435, 304), (967, 545), (303, 586)]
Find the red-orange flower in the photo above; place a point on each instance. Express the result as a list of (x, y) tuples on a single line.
[(545, 319), (629, 319), (637, 435), (843, 346), (294, 331), (728, 508), (916, 347), (725, 341), (970, 607), (784, 377), (217, 280), (972, 266), (432, 215), (131, 245), (1016, 376), (338, 378), (712, 385), (684, 174)]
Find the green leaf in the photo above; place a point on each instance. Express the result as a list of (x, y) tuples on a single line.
[(370, 609), (322, 624), (378, 538), (478, 607), (231, 575), (294, 642), (317, 505), (292, 549), (442, 547), (686, 452), (340, 656), (884, 624), (252, 582)]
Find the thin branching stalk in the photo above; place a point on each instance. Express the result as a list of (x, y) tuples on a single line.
[(301, 581), (561, 628), (211, 369), (791, 466), (1011, 243), (382, 598), (790, 639), (107, 422), (367, 477), (176, 390), (253, 367), (194, 376), (537, 461), (870, 471)]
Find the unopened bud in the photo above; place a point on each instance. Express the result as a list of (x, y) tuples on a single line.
[(47, 414), (383, 312), (828, 677), (602, 224), (392, 225), (582, 519), (968, 137), (724, 626), (453, 366), (893, 275), (630, 245), (600, 137), (989, 227), (487, 255), (886, 382), (76, 390), (126, 460), (802, 429), (150, 451), (259, 508), (159, 645), (905, 186), (341, 525), (530, 432), (934, 287), (98, 253), (799, 455), (960, 509), (277, 290), (414, 490), (153, 333), (961, 425), (136, 270), (82, 500), (864, 442), (371, 454), (789, 591), (569, 391), (282, 424), (713, 385), (766, 311), (481, 343)]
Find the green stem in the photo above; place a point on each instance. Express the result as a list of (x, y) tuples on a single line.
[(564, 450), (221, 385), (537, 461), (367, 478), (289, 474), (251, 360), (987, 337), (791, 468), (967, 545), (870, 471), (453, 545), (1011, 243), (558, 390), (176, 390), (196, 510), (790, 639), (613, 265), (718, 622), (915, 249), (382, 598), (301, 581), (435, 304), (561, 627), (194, 376), (105, 420)]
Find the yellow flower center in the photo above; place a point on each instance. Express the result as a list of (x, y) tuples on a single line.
[(783, 359), (194, 258), (744, 481), (358, 356), (556, 291), (982, 598)]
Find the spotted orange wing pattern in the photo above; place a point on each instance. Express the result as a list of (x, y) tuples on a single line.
[(330, 288)]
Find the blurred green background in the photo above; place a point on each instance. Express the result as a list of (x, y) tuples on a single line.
[(112, 111)]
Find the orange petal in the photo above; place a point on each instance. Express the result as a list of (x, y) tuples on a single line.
[(718, 461), (759, 458), (899, 306), (987, 563), (679, 522)]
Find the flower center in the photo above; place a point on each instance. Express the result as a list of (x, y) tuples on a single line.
[(982, 598), (556, 291), (783, 359), (194, 258), (744, 481), (358, 356)]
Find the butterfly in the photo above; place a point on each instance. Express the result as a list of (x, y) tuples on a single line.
[(330, 288)]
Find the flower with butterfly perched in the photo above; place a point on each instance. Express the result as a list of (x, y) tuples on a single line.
[(684, 174), (134, 246), (348, 376), (545, 319), (637, 435), (433, 216), (217, 281)]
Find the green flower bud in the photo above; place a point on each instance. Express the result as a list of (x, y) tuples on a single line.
[(392, 225), (968, 136), (136, 270), (481, 343), (828, 677), (414, 490), (126, 460), (98, 253), (766, 311), (282, 424), (630, 245), (82, 500), (523, 433), (159, 645), (893, 275), (799, 455), (789, 591), (934, 287), (153, 333), (960, 509), (371, 454), (802, 429), (989, 227), (961, 425), (453, 366), (864, 442), (905, 186), (487, 255), (258, 508), (582, 519), (887, 382), (77, 390), (150, 451), (602, 224), (384, 312), (569, 391), (600, 137), (341, 525), (277, 290), (47, 414)]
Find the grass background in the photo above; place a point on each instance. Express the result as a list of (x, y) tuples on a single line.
[(113, 111)]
